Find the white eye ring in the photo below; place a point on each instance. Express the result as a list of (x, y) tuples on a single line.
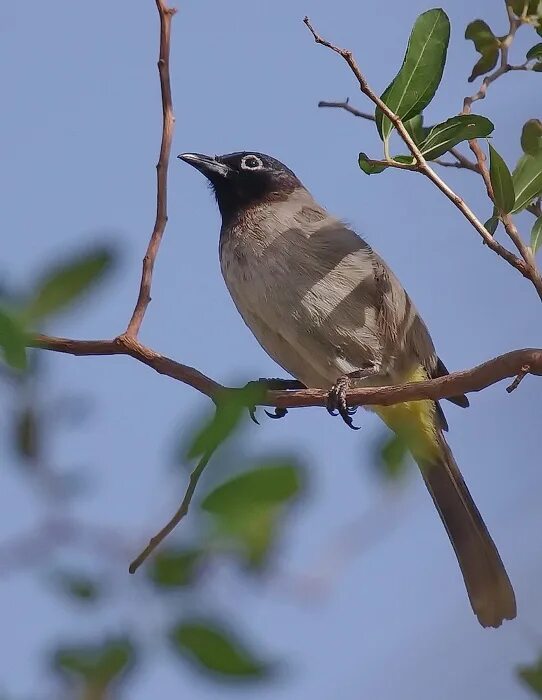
[(251, 162)]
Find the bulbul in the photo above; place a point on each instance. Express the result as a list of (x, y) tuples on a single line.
[(326, 307)]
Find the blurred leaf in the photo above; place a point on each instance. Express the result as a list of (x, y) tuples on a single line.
[(393, 456), (415, 128), (66, 282), (248, 507), (491, 224), (453, 131), (417, 81), (532, 676), (531, 136), (272, 483), (213, 648), (518, 6), (501, 182), (536, 235), (13, 340), (78, 586), (406, 160), (527, 179), (174, 568), (534, 52), (230, 410), (27, 433), (537, 68), (486, 43), (369, 166), (96, 664)]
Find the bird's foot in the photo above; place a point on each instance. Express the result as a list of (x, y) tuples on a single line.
[(337, 404), (273, 385)]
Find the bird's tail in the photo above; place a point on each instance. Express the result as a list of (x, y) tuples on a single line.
[(488, 586)]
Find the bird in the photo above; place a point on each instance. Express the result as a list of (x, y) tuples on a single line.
[(328, 309)]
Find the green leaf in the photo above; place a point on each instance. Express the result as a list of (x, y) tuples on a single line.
[(518, 6), (491, 224), (415, 128), (78, 586), (406, 160), (532, 676), (417, 81), (453, 131), (26, 436), (248, 507), (537, 68), (65, 283), (174, 568), (96, 664), (486, 43), (13, 340), (271, 483), (531, 137), (369, 166), (501, 182), (534, 52), (536, 235), (215, 649), (393, 456), (527, 179), (231, 409)]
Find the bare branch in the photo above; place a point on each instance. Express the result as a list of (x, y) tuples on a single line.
[(177, 517), (168, 121), (422, 166), (348, 108)]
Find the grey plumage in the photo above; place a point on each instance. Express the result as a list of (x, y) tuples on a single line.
[(324, 305)]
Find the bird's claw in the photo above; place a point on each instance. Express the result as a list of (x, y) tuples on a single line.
[(337, 405), (277, 413), (252, 414)]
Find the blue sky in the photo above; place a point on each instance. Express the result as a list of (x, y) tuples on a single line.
[(81, 128)]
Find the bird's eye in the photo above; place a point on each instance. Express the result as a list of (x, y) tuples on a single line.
[(251, 163)]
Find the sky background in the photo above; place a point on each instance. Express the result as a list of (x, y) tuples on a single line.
[(81, 126)]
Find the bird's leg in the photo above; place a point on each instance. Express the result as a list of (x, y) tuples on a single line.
[(274, 384), (336, 399)]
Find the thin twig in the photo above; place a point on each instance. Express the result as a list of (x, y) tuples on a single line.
[(348, 108), (177, 517), (168, 121), (421, 164), (475, 379), (524, 371)]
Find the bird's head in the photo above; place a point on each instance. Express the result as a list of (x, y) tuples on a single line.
[(243, 180)]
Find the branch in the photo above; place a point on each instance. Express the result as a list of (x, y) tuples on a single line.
[(348, 108), (422, 166), (176, 519), (502, 367), (168, 121)]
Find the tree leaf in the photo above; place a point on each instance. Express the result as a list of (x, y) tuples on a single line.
[(27, 433), (491, 224), (96, 664), (518, 6), (453, 131), (534, 52), (368, 166), (532, 676), (501, 182), (531, 137), (536, 235), (392, 456), (213, 648), (271, 483), (231, 409), (417, 81), (66, 282), (415, 128), (537, 68), (527, 179), (174, 568), (13, 340), (486, 43), (78, 586)]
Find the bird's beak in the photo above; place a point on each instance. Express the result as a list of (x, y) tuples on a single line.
[(207, 165)]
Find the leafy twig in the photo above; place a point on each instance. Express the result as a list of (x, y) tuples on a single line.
[(422, 166)]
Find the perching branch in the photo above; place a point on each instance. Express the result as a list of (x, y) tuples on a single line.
[(505, 366), (168, 121), (421, 165)]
